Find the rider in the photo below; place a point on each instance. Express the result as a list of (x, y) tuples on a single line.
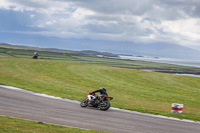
[(36, 53), (102, 91)]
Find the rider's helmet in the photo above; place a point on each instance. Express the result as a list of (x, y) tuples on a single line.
[(102, 88)]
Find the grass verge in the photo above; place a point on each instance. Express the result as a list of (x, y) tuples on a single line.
[(13, 125), (143, 91)]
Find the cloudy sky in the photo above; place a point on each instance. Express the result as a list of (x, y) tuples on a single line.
[(85, 24)]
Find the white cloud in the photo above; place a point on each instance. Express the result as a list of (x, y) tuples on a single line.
[(184, 31), (32, 15), (174, 21), (4, 5)]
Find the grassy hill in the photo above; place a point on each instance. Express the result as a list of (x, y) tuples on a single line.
[(114, 62), (55, 50), (72, 76)]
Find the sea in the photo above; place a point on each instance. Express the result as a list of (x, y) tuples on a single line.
[(182, 62)]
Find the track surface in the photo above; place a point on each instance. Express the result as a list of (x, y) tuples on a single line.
[(27, 106)]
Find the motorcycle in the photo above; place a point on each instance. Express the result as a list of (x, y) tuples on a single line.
[(97, 101), (35, 56)]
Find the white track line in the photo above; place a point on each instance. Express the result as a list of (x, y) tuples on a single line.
[(112, 108)]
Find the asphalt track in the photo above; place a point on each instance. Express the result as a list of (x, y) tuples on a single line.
[(25, 105)]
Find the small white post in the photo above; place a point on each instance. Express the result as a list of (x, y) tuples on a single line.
[(177, 108)]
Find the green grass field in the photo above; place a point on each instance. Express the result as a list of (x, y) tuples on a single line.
[(73, 76), (95, 60), (138, 90), (13, 125)]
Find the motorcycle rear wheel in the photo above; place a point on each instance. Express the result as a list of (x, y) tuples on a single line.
[(84, 103), (104, 105)]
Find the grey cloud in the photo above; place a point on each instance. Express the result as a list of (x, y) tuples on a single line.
[(189, 7), (156, 9), (160, 9), (166, 9), (99, 28), (103, 18), (30, 3), (128, 7), (130, 18)]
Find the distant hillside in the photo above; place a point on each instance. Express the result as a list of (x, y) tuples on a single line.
[(166, 50), (84, 52), (113, 49), (160, 49)]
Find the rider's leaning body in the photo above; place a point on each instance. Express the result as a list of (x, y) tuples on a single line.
[(102, 91)]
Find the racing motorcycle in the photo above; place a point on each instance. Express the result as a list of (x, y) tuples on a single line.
[(35, 55), (97, 101)]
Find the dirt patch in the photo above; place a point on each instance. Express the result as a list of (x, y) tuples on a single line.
[(172, 71)]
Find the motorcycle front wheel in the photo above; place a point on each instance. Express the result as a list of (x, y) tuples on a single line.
[(104, 105), (84, 103)]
